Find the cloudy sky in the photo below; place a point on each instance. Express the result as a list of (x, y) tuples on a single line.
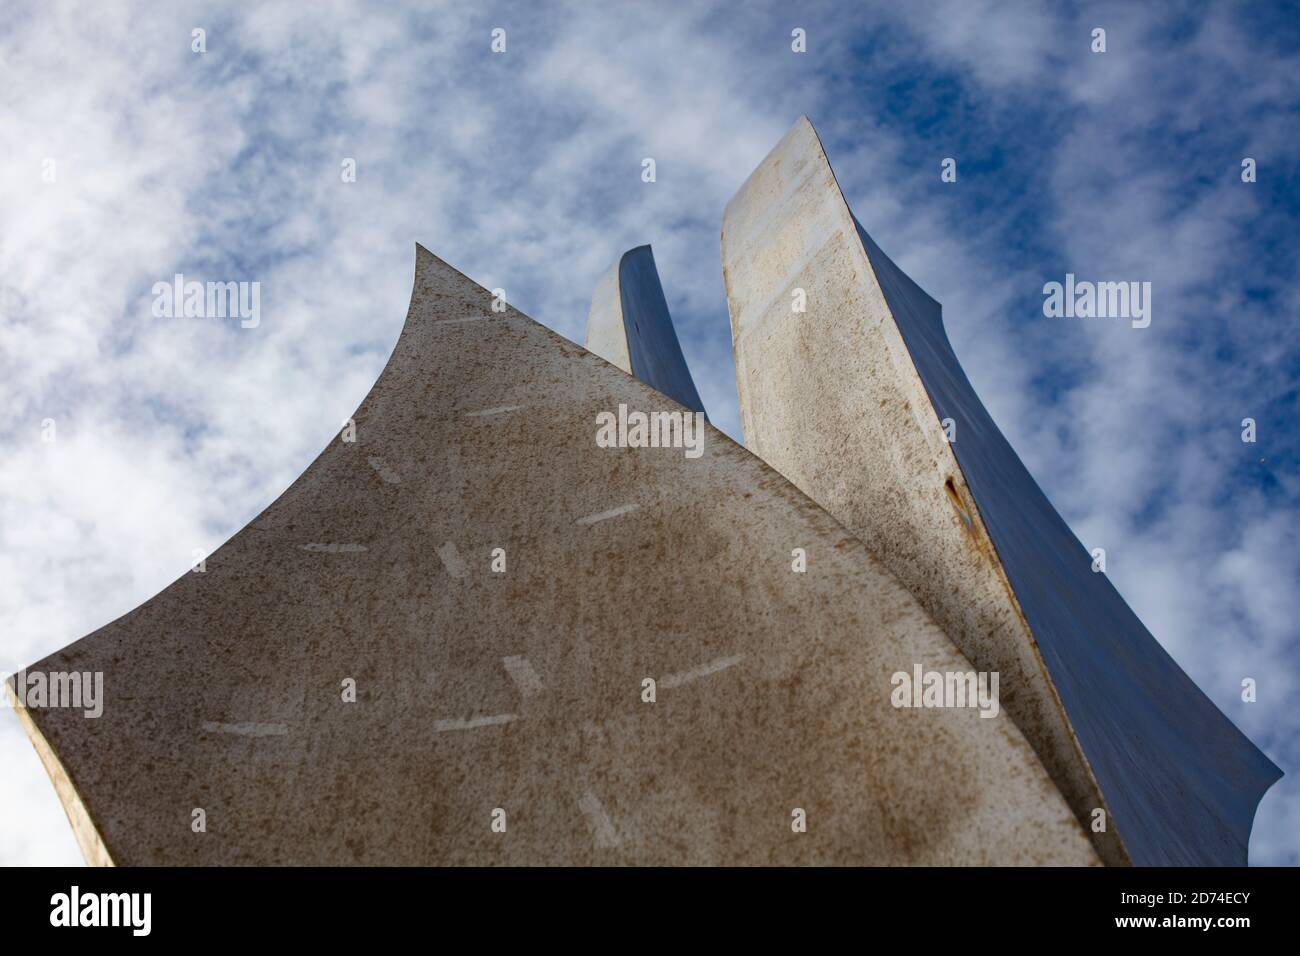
[(523, 169)]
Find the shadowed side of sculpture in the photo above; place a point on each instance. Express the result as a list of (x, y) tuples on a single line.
[(470, 635), (861, 402)]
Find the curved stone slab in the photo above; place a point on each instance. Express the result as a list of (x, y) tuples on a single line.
[(629, 326), (847, 401), (523, 691)]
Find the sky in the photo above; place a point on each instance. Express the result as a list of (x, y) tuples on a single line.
[(523, 169)]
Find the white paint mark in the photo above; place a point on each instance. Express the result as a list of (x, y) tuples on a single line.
[(462, 724), (247, 730), (494, 411), (611, 513), (384, 471), (451, 560), (704, 670), (606, 835), (334, 548), (522, 673)]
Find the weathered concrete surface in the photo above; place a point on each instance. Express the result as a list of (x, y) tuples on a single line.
[(847, 401), (523, 690), (629, 325)]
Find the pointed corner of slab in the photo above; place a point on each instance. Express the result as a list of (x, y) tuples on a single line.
[(1262, 787), (84, 830), (425, 263), (606, 333), (644, 248)]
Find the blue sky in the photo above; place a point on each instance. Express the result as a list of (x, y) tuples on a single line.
[(523, 170)]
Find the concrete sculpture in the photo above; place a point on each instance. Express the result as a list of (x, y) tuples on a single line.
[(468, 634), (849, 400), (628, 325)]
